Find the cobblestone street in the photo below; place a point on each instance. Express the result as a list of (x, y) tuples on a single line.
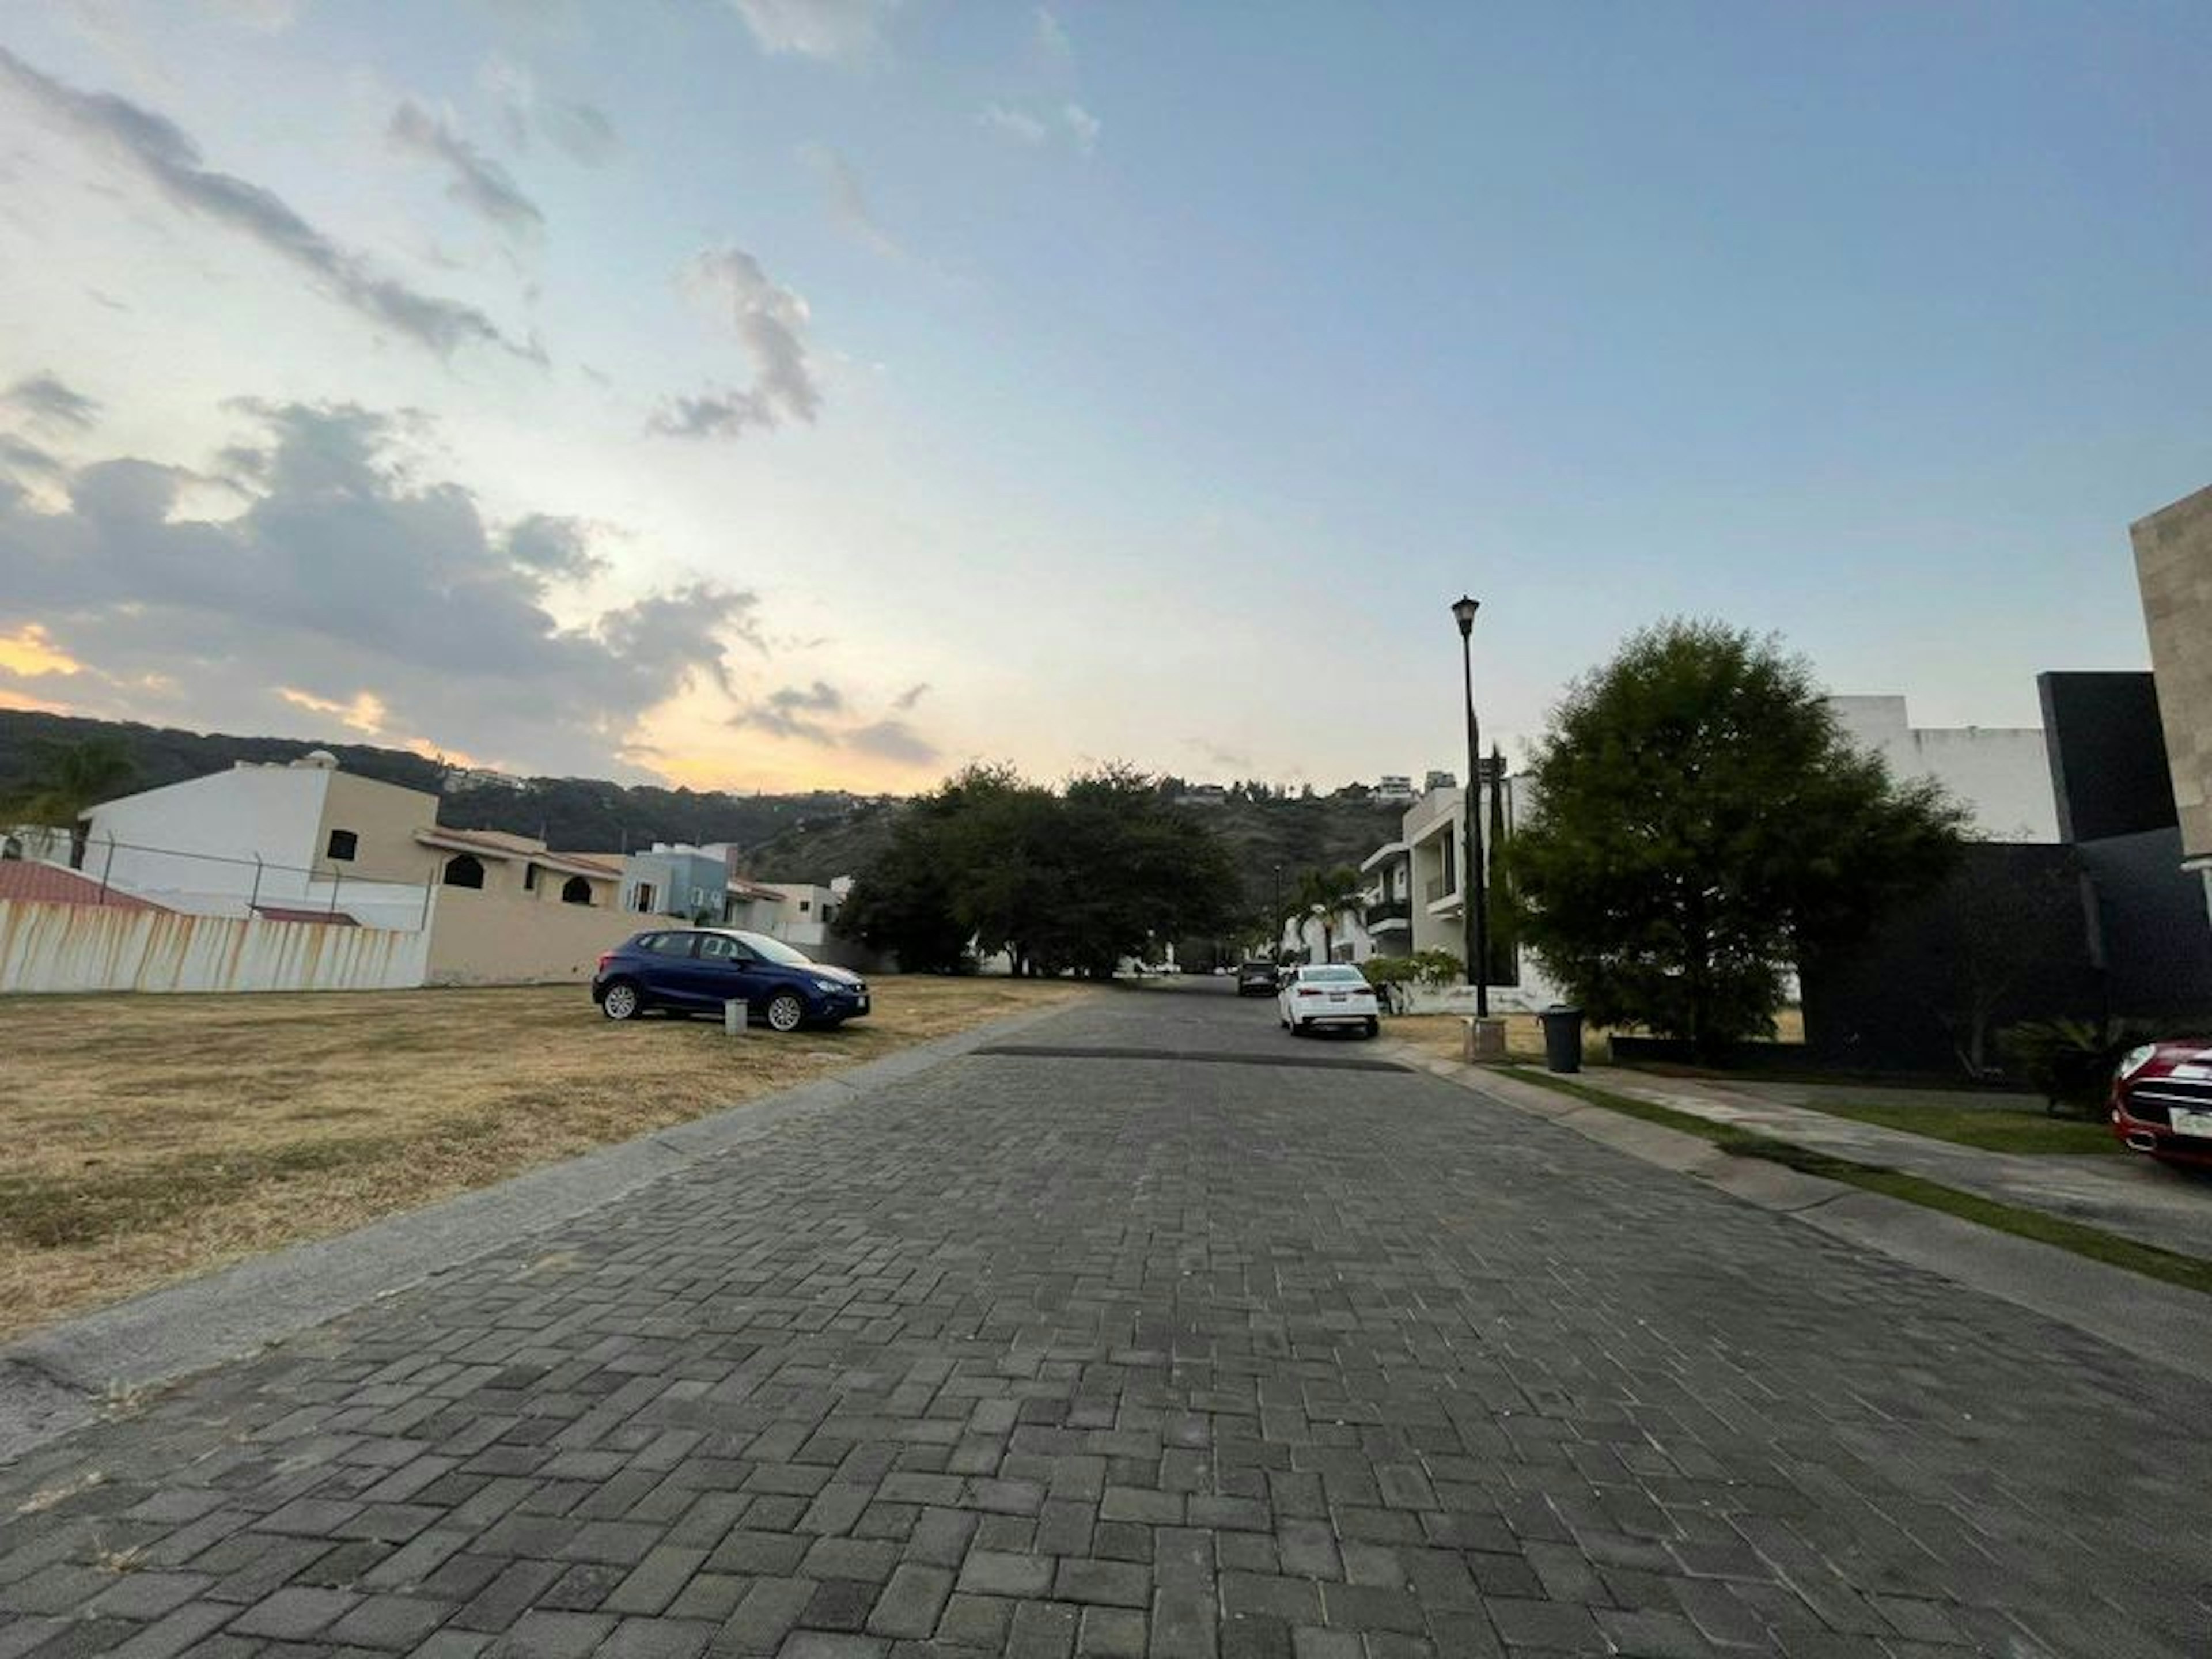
[(1047, 1353)]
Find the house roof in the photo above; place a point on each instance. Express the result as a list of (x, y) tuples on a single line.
[(753, 890), (27, 883), (282, 913)]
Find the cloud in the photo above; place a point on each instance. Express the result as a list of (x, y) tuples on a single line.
[(832, 30), (20, 455), (849, 200), (1052, 37), (49, 403), (770, 322), (820, 714), (557, 548), (474, 180), (893, 740), (347, 574), (580, 131), (913, 695), (1078, 125), (159, 151), (1083, 127), (796, 711), (1017, 124), (364, 712)]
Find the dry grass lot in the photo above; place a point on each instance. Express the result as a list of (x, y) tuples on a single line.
[(1441, 1034), (151, 1138)]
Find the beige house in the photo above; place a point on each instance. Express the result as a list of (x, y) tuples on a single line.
[(2174, 568), (304, 841)]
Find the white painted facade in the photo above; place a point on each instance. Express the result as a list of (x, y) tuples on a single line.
[(220, 844), (2001, 774), (808, 910), (1434, 834)]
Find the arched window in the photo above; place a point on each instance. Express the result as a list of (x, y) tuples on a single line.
[(576, 891), (464, 870)]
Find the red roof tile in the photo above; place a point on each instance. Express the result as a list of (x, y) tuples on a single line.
[(328, 918), (26, 883)]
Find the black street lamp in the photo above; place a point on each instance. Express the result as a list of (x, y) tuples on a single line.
[(1476, 908)]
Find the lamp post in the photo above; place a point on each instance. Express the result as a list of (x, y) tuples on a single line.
[(1472, 879)]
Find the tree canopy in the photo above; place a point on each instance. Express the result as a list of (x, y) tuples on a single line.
[(1077, 879), (1701, 824)]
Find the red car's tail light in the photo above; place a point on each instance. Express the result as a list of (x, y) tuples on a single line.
[(605, 956)]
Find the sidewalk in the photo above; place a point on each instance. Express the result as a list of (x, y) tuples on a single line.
[(2130, 1196)]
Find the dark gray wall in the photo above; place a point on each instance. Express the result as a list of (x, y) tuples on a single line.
[(2107, 750), (2152, 935)]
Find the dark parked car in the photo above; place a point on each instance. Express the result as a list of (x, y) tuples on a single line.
[(697, 970), (1258, 979), (2162, 1102)]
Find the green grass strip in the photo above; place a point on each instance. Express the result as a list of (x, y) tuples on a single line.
[(2168, 1266)]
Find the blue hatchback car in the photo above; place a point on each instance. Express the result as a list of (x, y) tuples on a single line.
[(697, 970)]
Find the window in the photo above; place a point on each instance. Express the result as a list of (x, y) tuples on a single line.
[(345, 843), (828, 911), (667, 944), (804, 905), (576, 891), (464, 870), (529, 878), (720, 947), (642, 901)]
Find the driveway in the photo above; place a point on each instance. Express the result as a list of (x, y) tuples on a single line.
[(1188, 1338)]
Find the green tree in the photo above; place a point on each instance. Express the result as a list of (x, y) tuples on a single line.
[(1105, 869), (66, 777), (1702, 824)]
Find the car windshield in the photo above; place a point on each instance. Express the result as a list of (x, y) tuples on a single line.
[(775, 950), (1335, 975)]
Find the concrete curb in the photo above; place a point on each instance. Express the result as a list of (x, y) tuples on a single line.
[(60, 1378), (2149, 1319)]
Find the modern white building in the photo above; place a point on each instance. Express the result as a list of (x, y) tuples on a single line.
[(806, 912), (2002, 775)]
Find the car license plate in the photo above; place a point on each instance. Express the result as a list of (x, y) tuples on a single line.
[(1338, 996), (2186, 1122)]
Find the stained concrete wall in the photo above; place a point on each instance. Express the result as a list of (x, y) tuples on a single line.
[(492, 939), (87, 947)]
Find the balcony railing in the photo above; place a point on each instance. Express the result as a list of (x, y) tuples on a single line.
[(1389, 911)]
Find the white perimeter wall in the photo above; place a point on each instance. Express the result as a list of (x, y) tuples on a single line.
[(86, 947)]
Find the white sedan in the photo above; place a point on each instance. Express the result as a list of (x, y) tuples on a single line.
[(1327, 994)]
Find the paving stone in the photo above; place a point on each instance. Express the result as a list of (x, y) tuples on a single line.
[(911, 1603), (1047, 1348)]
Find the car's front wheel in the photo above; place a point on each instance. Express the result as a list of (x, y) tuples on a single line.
[(785, 1011), (621, 1000)]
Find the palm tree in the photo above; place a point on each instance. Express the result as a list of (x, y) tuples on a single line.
[(1326, 894), (65, 779)]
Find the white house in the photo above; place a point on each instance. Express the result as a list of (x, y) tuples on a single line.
[(2001, 774)]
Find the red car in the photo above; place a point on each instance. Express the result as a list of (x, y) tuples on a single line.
[(2162, 1101)]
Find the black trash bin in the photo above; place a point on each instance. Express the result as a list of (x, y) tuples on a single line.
[(1563, 1038)]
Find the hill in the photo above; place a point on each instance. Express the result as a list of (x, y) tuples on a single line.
[(811, 837), (1265, 832), (572, 814)]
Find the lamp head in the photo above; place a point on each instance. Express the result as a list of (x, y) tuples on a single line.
[(1464, 608)]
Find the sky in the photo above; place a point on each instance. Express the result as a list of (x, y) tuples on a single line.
[(777, 394)]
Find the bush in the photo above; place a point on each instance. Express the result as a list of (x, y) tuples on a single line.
[(1429, 968), (2070, 1062)]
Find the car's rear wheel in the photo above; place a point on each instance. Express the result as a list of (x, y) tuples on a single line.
[(785, 1011), (1373, 1026), (622, 1000)]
